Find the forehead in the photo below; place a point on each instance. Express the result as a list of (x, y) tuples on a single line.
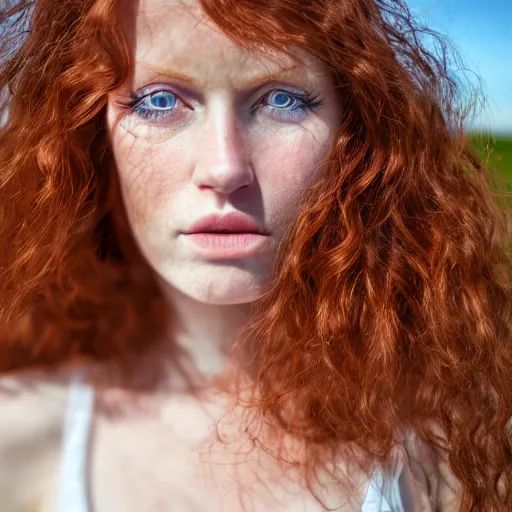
[(177, 33)]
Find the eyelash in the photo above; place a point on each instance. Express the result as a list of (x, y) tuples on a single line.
[(308, 102)]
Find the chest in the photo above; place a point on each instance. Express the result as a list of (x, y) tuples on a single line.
[(180, 465)]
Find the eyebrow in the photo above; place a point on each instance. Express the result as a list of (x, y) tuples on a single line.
[(251, 84)]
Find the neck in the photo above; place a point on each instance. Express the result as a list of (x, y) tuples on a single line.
[(202, 333), (206, 332)]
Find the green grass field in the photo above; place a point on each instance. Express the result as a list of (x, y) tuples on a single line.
[(500, 158), (501, 153)]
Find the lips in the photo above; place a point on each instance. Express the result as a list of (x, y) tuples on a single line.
[(234, 222)]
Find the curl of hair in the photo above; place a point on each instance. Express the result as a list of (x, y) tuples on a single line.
[(390, 307)]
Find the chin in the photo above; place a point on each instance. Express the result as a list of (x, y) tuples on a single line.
[(217, 286), (229, 300), (220, 292)]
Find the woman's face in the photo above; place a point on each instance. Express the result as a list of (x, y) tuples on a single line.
[(209, 132)]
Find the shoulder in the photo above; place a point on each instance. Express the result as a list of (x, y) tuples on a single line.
[(32, 412)]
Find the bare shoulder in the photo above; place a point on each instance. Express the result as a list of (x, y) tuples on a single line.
[(32, 412)]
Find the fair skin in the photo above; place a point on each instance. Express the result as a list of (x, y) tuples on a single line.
[(231, 141), (255, 162)]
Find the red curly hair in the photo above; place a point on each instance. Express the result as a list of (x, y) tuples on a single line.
[(390, 306)]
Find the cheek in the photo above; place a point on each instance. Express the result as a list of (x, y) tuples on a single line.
[(148, 174), (290, 166), (149, 178)]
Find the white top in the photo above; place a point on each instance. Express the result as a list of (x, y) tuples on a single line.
[(383, 494)]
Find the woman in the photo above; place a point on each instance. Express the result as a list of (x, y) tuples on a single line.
[(249, 262)]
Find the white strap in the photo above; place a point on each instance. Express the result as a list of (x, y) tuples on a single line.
[(73, 469), (383, 494)]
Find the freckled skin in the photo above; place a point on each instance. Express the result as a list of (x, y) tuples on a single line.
[(214, 155), (223, 149)]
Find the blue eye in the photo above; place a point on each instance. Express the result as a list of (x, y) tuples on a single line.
[(162, 100), (154, 104), (282, 98), (160, 105), (289, 106)]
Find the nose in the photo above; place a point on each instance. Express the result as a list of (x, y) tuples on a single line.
[(222, 161)]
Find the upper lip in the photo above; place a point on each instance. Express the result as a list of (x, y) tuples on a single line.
[(231, 222)]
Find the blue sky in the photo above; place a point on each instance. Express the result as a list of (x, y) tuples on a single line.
[(482, 31)]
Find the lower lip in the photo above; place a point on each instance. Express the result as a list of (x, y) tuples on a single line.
[(228, 245)]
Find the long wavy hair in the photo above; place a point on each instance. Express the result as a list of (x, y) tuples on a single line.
[(390, 306)]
